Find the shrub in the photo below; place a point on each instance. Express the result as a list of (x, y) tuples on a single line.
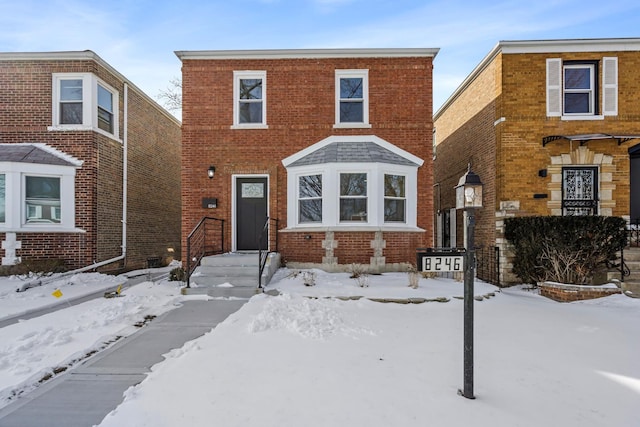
[(34, 267), (177, 275), (566, 249)]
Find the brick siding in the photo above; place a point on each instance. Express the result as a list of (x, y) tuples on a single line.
[(154, 164), (300, 112)]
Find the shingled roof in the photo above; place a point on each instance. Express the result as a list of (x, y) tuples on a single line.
[(352, 152), (36, 153)]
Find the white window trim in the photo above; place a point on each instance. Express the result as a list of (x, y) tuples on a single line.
[(331, 195), (15, 196), (298, 198), (364, 74), (608, 90), (237, 76), (89, 104), (593, 101)]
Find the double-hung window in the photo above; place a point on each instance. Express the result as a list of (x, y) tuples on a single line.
[(576, 92), (353, 197), (579, 89), (394, 198), (105, 109), (352, 98), (250, 99), (310, 198), (71, 102), (42, 199), (83, 102)]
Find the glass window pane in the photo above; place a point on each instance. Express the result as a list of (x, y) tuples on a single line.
[(105, 99), (71, 90), (351, 88), (353, 184), (394, 186), (105, 120), (311, 186), (2, 198), (250, 112), (71, 113), (42, 199), (250, 88), (394, 210), (351, 112), (353, 209), (577, 78), (311, 210), (577, 103)]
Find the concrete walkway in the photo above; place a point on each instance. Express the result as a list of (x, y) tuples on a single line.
[(87, 393)]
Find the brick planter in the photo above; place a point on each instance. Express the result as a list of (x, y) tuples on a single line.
[(562, 292)]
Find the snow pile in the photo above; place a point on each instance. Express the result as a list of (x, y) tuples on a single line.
[(38, 348)]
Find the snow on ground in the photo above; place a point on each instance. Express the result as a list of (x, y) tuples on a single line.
[(290, 360), (33, 349)]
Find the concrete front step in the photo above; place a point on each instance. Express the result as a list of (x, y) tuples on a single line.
[(631, 288), (231, 275)]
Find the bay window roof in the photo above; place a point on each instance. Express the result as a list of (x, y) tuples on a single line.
[(36, 153)]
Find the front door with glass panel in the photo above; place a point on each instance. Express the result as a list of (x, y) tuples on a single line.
[(251, 211), (580, 191)]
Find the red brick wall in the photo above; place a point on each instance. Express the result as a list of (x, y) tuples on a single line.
[(300, 112), (154, 181)]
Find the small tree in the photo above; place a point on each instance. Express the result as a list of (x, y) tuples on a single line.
[(171, 98)]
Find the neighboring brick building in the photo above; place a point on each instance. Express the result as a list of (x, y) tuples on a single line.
[(72, 131), (334, 144), (551, 127)]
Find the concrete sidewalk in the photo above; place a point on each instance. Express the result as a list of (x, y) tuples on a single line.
[(87, 393)]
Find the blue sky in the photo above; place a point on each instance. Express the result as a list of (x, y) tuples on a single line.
[(138, 37)]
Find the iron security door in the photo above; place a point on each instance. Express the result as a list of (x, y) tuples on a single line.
[(251, 211), (580, 191)]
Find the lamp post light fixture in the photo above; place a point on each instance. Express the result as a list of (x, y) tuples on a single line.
[(469, 198), (211, 171)]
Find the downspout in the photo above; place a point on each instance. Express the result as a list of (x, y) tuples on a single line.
[(123, 255)]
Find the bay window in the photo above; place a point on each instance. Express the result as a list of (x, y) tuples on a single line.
[(83, 102), (310, 198)]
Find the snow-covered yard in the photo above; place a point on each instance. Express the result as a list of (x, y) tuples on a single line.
[(290, 360)]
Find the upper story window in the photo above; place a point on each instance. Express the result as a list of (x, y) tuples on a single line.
[(71, 102), (83, 102), (579, 89), (249, 99), (352, 98), (105, 109), (574, 88)]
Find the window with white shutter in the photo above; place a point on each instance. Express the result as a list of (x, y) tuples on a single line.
[(554, 87), (610, 86)]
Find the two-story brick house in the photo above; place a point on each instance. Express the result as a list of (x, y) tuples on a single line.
[(89, 165), (333, 143), (551, 127)]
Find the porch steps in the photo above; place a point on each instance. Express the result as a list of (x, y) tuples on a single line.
[(231, 275), (631, 284)]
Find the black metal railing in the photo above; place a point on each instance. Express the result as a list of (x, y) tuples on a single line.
[(488, 264), (633, 233), (267, 243), (206, 238)]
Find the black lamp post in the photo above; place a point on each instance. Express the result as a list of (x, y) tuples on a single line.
[(469, 198)]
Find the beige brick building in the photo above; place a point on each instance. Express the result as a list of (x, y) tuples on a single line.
[(89, 165), (551, 127), (334, 144)]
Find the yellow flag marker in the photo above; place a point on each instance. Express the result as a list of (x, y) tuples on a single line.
[(57, 293), (119, 289)]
